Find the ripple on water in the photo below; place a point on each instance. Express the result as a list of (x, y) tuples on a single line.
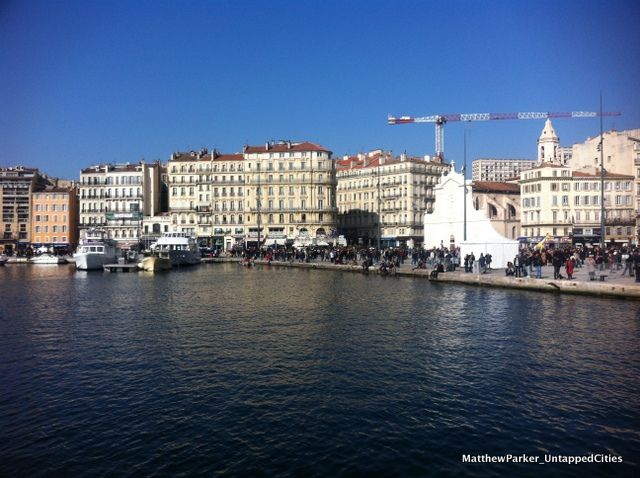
[(267, 371)]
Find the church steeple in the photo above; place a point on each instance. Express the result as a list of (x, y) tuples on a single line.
[(548, 144)]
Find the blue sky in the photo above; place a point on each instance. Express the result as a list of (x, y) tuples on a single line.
[(86, 82)]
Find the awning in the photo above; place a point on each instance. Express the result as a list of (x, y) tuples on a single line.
[(275, 242)]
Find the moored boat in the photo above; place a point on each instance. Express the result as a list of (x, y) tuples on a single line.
[(180, 248), (48, 259), (95, 250), (158, 261)]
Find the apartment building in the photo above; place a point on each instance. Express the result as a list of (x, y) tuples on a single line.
[(620, 152), (54, 221), (17, 185), (566, 205), (382, 198), (290, 194), (116, 197), (499, 170), (206, 196)]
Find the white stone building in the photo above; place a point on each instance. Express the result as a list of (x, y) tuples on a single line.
[(566, 205), (382, 197), (499, 170), (455, 222), (117, 196), (290, 194)]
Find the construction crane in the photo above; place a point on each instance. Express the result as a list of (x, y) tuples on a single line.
[(441, 120)]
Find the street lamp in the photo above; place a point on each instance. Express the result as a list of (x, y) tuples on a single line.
[(258, 204), (379, 208), (464, 186), (602, 172)]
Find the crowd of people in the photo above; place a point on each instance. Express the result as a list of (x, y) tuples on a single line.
[(599, 260), (529, 262)]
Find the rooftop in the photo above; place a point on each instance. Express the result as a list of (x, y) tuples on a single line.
[(285, 146)]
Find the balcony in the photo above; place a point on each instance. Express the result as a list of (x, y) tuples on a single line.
[(620, 221)]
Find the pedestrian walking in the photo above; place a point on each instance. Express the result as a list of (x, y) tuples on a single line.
[(569, 268)]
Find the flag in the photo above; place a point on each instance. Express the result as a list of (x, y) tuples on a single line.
[(540, 245)]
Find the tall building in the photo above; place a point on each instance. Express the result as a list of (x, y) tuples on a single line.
[(621, 152), (54, 221), (116, 197), (565, 205), (189, 178), (206, 196), (16, 187), (290, 194), (382, 198), (499, 170)]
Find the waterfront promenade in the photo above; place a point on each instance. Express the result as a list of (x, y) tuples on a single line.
[(613, 285)]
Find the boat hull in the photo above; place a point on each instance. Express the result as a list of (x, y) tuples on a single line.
[(155, 264), (90, 261), (183, 258), (48, 260)]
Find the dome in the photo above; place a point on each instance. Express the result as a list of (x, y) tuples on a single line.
[(548, 132)]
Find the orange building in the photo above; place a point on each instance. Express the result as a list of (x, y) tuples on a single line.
[(54, 218)]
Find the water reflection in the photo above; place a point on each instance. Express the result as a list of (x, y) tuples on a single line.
[(284, 371)]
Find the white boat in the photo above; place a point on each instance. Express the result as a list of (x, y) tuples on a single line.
[(3, 259), (157, 261), (95, 250), (48, 259), (179, 247)]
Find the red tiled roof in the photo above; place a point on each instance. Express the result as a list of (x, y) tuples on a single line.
[(354, 162), (372, 161), (494, 186), (229, 157), (177, 157), (284, 147)]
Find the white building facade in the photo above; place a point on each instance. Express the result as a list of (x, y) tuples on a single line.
[(290, 194), (383, 198), (455, 222), (499, 170), (117, 196)]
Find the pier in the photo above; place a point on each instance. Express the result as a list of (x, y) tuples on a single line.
[(121, 268), (615, 285)]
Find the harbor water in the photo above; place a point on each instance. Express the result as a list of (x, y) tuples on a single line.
[(220, 370)]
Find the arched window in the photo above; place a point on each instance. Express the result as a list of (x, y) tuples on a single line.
[(493, 212)]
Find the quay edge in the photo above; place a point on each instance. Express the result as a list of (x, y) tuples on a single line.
[(592, 288)]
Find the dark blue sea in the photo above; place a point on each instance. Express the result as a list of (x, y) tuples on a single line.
[(221, 370)]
